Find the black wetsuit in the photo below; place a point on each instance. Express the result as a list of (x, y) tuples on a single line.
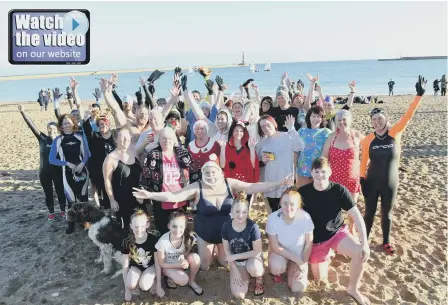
[(48, 174), (380, 178), (74, 149), (99, 149), (391, 87), (124, 178)]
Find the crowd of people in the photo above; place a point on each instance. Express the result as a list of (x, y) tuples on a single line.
[(206, 159)]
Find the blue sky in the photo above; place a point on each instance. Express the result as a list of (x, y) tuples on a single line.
[(126, 35)]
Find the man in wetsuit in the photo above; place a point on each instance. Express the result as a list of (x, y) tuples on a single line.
[(391, 85)]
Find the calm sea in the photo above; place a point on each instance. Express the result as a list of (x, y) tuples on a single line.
[(371, 76)]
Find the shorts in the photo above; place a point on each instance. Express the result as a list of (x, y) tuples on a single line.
[(320, 252), (243, 263)]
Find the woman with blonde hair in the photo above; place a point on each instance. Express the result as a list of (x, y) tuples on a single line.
[(290, 231)]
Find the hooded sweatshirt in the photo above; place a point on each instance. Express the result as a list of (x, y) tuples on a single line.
[(214, 132)]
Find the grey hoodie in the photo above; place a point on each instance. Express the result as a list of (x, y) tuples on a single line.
[(213, 131)]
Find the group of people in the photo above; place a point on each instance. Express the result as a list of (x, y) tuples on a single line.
[(213, 156), (438, 85)]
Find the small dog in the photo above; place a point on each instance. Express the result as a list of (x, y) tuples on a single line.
[(104, 230)]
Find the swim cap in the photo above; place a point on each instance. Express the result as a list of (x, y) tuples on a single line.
[(52, 124), (328, 99), (128, 99), (376, 111)]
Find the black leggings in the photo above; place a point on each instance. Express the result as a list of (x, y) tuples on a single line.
[(162, 217), (274, 203), (372, 190), (443, 91), (47, 179)]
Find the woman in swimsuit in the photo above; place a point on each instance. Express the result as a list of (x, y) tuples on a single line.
[(213, 198), (342, 149), (121, 171), (379, 165)]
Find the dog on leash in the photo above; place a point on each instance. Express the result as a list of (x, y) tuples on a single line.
[(104, 230)]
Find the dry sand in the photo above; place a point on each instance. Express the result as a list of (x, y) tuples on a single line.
[(38, 259)]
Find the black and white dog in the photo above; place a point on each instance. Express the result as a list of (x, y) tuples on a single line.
[(104, 230)]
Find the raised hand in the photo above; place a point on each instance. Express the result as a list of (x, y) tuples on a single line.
[(312, 79), (220, 83), (105, 85), (222, 142), (352, 86), (73, 83), (142, 81), (183, 82), (252, 143), (283, 79), (113, 80), (420, 86), (56, 93), (97, 94), (178, 71), (209, 85), (176, 86), (289, 122)]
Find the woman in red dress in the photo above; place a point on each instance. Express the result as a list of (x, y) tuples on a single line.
[(238, 158)]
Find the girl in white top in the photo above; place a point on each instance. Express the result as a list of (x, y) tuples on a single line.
[(174, 256), (290, 231)]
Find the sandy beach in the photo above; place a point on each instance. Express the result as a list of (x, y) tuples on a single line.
[(42, 265)]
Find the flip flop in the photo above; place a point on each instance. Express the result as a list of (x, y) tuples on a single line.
[(278, 278), (389, 249), (195, 291), (259, 289)]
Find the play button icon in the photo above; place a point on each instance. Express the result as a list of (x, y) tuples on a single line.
[(76, 22)]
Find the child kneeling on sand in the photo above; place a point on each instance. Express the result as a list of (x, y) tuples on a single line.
[(175, 257), (241, 239), (140, 268)]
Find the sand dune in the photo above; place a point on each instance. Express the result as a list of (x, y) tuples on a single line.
[(40, 260)]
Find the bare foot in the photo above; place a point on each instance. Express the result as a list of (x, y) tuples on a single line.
[(358, 297)]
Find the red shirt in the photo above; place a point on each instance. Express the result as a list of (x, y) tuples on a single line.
[(238, 165), (201, 155)]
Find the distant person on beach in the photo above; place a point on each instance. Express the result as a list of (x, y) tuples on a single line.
[(443, 83), (49, 174), (391, 85), (69, 96), (40, 100), (379, 165), (436, 86), (324, 201)]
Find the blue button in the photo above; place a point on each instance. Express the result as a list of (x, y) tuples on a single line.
[(76, 22)]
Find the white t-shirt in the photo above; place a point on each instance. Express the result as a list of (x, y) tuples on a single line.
[(290, 236), (171, 254)]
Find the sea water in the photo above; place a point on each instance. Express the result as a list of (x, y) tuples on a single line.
[(371, 77)]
